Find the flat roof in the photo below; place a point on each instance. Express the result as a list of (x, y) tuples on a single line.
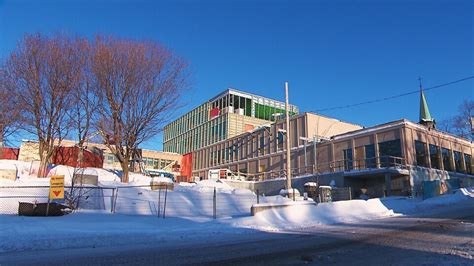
[(392, 124), (245, 94)]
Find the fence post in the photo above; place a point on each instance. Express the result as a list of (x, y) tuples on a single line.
[(166, 195), (115, 200), (214, 204), (112, 200), (258, 197), (47, 207), (159, 201), (293, 194)]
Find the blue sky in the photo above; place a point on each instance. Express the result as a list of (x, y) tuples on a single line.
[(331, 52)]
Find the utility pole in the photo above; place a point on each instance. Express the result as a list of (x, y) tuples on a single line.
[(288, 146)]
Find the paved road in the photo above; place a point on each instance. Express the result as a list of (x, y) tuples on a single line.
[(443, 238)]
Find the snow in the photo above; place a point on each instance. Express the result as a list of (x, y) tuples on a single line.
[(302, 214), (189, 211)]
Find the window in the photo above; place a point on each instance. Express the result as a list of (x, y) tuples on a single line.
[(348, 159), (370, 156), (280, 140), (421, 154), (262, 143), (446, 154), (435, 156), (458, 161), (110, 158), (468, 161), (387, 149)]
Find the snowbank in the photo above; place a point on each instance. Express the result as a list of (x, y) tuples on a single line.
[(307, 215)]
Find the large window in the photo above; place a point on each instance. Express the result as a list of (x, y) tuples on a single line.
[(421, 154), (388, 149), (370, 156), (458, 162), (446, 153), (435, 154), (348, 159), (468, 161)]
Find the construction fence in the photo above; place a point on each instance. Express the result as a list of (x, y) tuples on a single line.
[(162, 201)]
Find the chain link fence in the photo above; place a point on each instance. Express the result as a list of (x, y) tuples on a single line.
[(161, 201)]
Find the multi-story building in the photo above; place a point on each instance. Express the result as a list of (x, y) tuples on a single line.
[(263, 149), (390, 158), (228, 114)]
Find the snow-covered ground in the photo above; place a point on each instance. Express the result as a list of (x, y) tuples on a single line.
[(189, 211)]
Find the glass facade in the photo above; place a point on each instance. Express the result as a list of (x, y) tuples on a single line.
[(446, 154), (421, 154), (458, 162), (435, 155), (348, 158), (391, 148), (370, 160), (468, 162), (209, 122)]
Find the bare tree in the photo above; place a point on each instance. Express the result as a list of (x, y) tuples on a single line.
[(10, 109), (138, 84), (460, 124), (84, 101), (43, 72)]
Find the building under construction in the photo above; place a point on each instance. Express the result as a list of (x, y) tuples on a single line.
[(226, 115)]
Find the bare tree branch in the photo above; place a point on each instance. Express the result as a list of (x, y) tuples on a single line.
[(460, 124), (138, 84), (42, 73)]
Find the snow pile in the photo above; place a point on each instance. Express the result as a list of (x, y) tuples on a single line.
[(206, 186), (307, 215)]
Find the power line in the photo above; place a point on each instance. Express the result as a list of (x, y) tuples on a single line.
[(393, 96)]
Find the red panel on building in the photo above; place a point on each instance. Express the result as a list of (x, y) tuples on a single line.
[(187, 167), (9, 153), (214, 113), (69, 156)]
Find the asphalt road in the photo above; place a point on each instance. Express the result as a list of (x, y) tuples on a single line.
[(442, 238)]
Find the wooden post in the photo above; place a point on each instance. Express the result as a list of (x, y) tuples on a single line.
[(166, 195)]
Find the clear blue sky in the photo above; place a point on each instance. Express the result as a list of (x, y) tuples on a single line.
[(331, 52)]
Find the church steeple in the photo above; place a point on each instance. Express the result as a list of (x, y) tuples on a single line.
[(425, 116)]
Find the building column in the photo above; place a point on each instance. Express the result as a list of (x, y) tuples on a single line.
[(377, 153), (388, 184)]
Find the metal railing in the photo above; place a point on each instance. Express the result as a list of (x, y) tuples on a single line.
[(330, 167)]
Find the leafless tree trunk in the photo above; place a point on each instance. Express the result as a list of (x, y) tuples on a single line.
[(460, 124), (138, 84), (84, 101), (10, 109), (43, 72)]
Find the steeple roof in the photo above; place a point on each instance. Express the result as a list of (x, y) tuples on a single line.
[(425, 115)]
